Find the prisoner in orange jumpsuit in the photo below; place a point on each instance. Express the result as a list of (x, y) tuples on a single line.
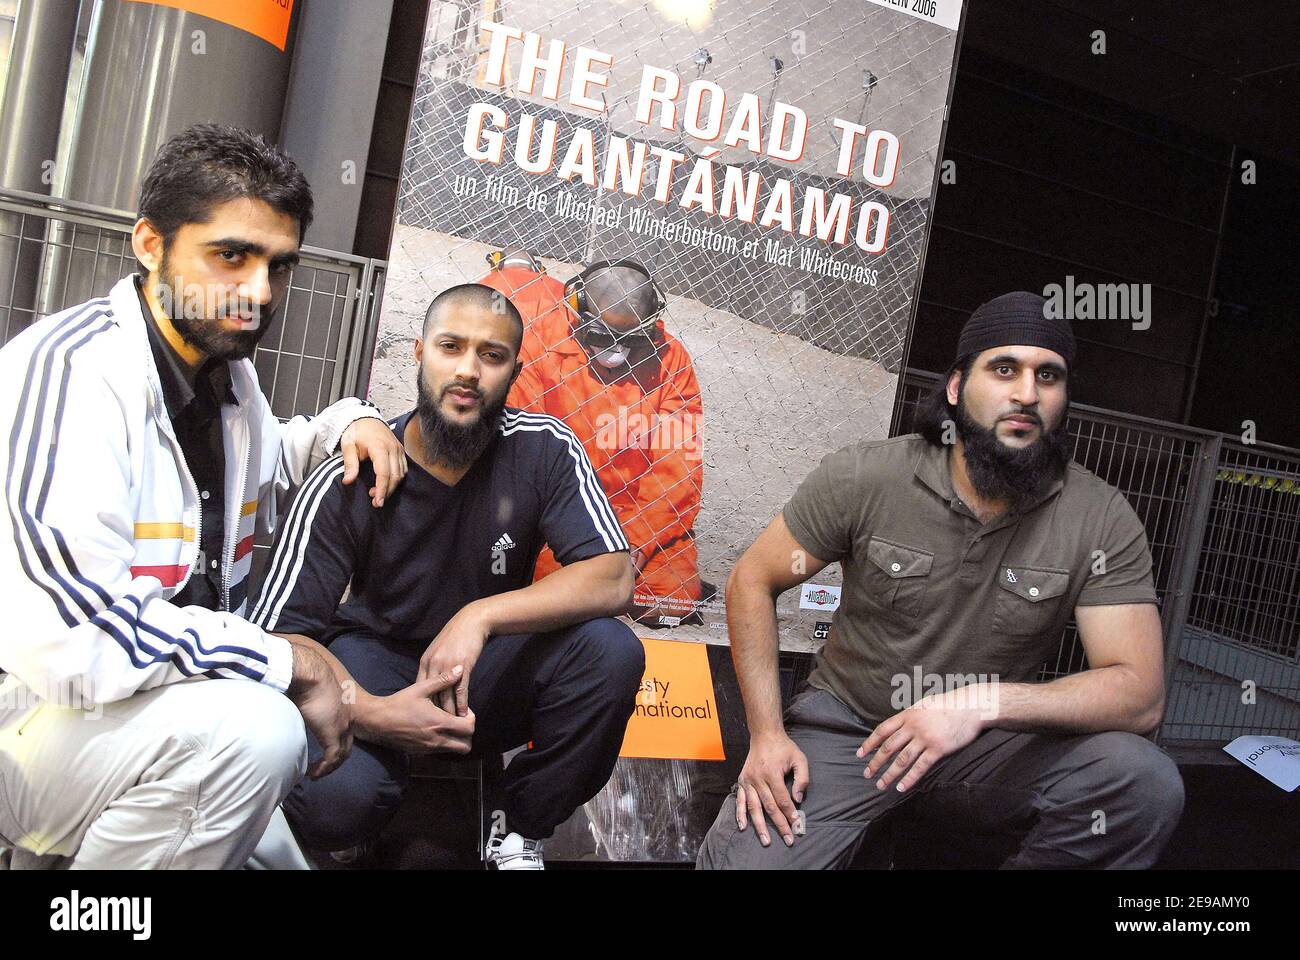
[(634, 403)]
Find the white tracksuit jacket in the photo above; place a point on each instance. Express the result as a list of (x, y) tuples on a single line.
[(100, 526)]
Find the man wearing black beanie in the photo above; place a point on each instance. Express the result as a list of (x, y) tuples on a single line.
[(966, 548)]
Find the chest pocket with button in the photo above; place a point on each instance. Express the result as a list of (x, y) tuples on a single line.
[(1030, 599), (906, 573)]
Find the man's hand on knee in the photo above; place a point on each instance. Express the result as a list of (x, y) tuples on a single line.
[(761, 787), (923, 734), (319, 698)]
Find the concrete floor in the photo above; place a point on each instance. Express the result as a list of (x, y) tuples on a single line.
[(1233, 820)]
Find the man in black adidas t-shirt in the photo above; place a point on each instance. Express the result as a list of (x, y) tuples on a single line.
[(441, 581)]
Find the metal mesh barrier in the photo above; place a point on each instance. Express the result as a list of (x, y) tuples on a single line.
[(1248, 584), (1153, 467), (49, 262), (1239, 660), (55, 254)]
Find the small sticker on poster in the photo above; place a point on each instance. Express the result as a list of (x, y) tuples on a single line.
[(819, 596)]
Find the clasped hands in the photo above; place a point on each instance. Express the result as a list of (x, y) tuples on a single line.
[(432, 715)]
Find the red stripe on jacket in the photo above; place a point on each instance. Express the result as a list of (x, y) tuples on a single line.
[(168, 575)]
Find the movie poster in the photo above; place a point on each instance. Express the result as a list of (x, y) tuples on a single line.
[(764, 171)]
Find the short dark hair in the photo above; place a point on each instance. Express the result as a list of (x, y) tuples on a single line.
[(478, 295), (934, 411), (209, 164)]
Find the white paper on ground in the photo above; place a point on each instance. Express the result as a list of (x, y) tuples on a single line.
[(1276, 758)]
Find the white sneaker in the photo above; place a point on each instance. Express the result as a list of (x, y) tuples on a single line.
[(513, 852)]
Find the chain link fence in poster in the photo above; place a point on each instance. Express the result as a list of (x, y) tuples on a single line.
[(769, 164)]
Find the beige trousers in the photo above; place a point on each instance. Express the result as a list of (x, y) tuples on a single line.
[(185, 776)]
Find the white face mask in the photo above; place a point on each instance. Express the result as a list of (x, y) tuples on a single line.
[(613, 357)]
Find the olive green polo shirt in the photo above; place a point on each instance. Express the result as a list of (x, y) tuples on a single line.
[(931, 592)]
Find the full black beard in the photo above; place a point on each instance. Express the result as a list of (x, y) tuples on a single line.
[(999, 472), (454, 444), (206, 334)]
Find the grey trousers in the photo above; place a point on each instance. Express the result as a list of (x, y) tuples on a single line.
[(1095, 800)]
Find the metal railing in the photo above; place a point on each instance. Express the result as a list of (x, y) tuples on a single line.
[(1223, 522), (1238, 668), (57, 253)]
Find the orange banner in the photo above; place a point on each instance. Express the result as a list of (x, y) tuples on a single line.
[(268, 19), (676, 715)]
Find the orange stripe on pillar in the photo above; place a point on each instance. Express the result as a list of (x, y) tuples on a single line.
[(268, 19)]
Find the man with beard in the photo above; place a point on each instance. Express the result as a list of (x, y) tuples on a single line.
[(441, 585), (140, 457), (965, 549)]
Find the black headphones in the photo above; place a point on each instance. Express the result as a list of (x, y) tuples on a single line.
[(575, 294)]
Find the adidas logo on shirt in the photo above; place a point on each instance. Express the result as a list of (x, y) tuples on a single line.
[(503, 544)]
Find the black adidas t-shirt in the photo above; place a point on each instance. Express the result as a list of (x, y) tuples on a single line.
[(431, 549)]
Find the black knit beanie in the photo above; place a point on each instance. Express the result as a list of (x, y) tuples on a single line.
[(1016, 319)]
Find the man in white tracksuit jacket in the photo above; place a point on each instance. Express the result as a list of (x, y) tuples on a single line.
[(136, 731)]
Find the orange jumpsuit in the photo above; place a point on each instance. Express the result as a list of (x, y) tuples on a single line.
[(642, 434)]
